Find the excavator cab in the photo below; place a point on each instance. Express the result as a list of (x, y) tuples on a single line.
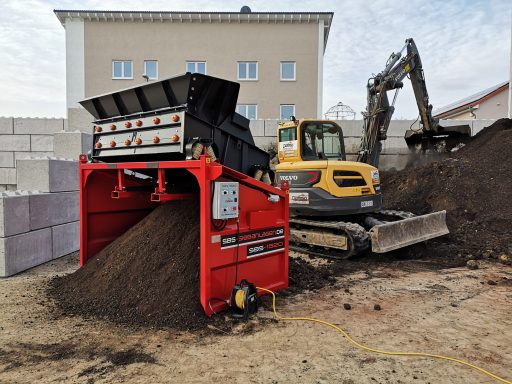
[(311, 140)]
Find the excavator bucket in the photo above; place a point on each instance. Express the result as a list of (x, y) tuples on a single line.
[(453, 133), (398, 234)]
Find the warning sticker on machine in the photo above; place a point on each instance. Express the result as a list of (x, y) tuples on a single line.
[(265, 248), (299, 198), (253, 237)]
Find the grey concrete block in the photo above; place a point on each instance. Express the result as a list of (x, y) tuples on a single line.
[(6, 159), (14, 214), (15, 143), (257, 127), (271, 127), (41, 143), (47, 175), (6, 125), (70, 145), (7, 175), (264, 142), (351, 127), (37, 126), (398, 127), (65, 239), (21, 252), (49, 209), (32, 155), (79, 119)]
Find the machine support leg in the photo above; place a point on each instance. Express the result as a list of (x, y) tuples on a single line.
[(161, 181)]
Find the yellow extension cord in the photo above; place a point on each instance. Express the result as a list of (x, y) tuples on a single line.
[(419, 354)]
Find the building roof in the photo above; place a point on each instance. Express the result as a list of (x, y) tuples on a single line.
[(470, 101), (200, 17)]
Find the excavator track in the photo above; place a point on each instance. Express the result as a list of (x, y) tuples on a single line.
[(337, 239), (397, 214), (384, 231)]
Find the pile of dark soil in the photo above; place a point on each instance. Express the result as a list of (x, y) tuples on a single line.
[(473, 185), (149, 275)]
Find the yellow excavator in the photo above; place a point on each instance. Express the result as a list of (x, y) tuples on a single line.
[(335, 204)]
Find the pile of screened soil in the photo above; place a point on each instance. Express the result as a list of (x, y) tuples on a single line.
[(149, 276), (473, 185)]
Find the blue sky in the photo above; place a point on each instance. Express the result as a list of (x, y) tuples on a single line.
[(464, 46)]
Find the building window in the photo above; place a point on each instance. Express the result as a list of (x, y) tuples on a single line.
[(151, 69), (247, 70), (249, 111), (287, 70), (196, 67), (122, 69), (286, 111)]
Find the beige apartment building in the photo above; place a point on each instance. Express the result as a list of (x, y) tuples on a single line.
[(277, 57)]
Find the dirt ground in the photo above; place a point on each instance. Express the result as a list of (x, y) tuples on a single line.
[(454, 311)]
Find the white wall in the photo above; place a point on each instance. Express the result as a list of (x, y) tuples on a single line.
[(75, 61)]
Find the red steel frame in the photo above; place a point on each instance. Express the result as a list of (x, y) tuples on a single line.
[(108, 209)]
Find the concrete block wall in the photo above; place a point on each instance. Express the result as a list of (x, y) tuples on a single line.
[(22, 138), (39, 214), (36, 227), (40, 221)]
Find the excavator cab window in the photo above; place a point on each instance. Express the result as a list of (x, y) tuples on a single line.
[(322, 140)]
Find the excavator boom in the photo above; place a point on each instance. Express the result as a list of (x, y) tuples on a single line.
[(377, 117)]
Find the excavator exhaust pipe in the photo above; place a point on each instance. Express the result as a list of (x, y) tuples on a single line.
[(398, 234)]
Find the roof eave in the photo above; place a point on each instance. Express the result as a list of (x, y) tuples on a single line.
[(106, 15), (458, 108)]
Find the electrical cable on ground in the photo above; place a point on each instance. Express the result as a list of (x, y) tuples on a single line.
[(380, 351)]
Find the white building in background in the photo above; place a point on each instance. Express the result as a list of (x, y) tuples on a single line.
[(491, 103), (277, 57)]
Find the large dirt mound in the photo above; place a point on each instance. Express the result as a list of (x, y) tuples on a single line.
[(149, 275), (473, 185)]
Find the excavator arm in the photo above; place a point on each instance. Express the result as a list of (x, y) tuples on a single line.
[(379, 111)]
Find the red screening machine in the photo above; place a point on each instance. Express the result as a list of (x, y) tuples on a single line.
[(172, 140)]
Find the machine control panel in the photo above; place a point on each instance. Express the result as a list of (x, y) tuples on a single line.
[(225, 200)]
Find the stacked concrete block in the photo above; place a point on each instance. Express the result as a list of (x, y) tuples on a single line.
[(24, 251), (6, 125), (14, 214), (70, 145), (47, 174), (22, 138), (42, 224), (50, 209), (65, 239), (20, 248)]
